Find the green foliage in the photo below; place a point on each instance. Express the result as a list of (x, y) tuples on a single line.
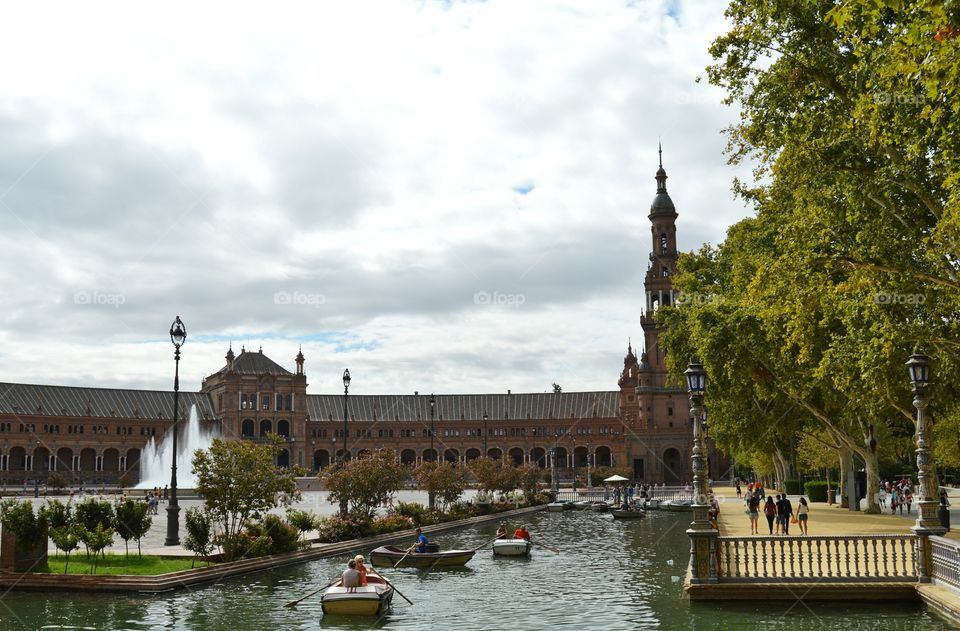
[(96, 540), (66, 539), (337, 528), (443, 479), (59, 515), (92, 512), (816, 490), (238, 480), (29, 528), (302, 520), (132, 521), (199, 533), (418, 513), (365, 483), (56, 480), (495, 475), (792, 487), (113, 564)]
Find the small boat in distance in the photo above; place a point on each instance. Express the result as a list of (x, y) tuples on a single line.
[(627, 513), (372, 599), (512, 547), (600, 507), (393, 556)]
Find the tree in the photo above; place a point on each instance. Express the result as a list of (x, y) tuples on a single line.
[(91, 513), (495, 475), (29, 528), (96, 540), (443, 479), (302, 520), (365, 483), (199, 533), (240, 480), (132, 522), (67, 539)]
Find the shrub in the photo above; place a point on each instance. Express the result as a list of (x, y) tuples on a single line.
[(391, 523), (816, 490), (199, 533), (337, 528), (56, 480), (284, 537), (18, 518), (792, 487), (302, 520), (421, 515)]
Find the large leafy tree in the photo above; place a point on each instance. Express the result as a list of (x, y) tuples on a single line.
[(443, 479), (365, 483), (239, 481)]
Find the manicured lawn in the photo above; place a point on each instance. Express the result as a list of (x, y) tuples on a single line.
[(119, 564)]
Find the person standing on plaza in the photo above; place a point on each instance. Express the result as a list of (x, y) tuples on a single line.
[(908, 499), (893, 500), (770, 512), (785, 512), (753, 509), (803, 514), (778, 522), (739, 492)]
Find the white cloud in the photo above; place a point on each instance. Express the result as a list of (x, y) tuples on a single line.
[(363, 157)]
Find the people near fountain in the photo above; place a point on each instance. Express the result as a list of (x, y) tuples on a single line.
[(421, 544), (803, 515), (521, 533), (770, 512), (351, 576), (361, 569), (502, 530), (166, 493)]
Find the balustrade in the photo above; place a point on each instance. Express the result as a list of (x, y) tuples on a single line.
[(945, 555), (849, 558)]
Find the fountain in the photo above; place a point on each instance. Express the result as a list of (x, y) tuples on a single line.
[(156, 459)]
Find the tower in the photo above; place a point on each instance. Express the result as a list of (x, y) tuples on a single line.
[(660, 270), (299, 360)]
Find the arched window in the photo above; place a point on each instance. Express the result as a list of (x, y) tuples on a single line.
[(663, 243)]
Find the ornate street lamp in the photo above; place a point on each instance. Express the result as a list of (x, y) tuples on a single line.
[(433, 454), (485, 454), (178, 335), (927, 522), (696, 387), (346, 454)]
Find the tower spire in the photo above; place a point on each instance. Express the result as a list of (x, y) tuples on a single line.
[(660, 151)]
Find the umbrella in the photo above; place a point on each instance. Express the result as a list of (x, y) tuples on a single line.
[(615, 478)]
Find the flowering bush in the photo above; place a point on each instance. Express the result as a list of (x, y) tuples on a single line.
[(392, 523), (337, 528)]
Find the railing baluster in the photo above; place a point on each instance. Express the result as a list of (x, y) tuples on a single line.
[(790, 549), (736, 560), (819, 560), (883, 550), (846, 551), (755, 573)]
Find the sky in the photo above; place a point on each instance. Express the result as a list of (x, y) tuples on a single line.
[(443, 197)]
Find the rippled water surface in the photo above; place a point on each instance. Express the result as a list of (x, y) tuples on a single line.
[(608, 575)]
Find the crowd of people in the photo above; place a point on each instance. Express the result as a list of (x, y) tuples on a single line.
[(899, 493), (778, 512)]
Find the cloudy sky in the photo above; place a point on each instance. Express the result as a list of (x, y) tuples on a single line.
[(441, 196)]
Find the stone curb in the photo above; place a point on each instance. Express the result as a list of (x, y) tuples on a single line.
[(185, 578)]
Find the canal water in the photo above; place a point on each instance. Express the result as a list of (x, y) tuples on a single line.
[(609, 574)]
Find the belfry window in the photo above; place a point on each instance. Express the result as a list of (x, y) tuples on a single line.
[(663, 243)]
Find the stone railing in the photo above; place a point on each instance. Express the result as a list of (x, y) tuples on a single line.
[(945, 556), (802, 559), (591, 494), (670, 493)]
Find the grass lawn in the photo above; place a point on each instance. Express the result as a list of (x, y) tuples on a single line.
[(119, 564)]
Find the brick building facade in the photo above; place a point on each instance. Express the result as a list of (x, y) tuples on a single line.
[(97, 434)]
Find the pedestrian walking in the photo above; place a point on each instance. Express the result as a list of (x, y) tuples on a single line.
[(770, 512), (803, 515)]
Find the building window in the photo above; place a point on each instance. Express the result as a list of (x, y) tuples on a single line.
[(266, 402), (243, 402)]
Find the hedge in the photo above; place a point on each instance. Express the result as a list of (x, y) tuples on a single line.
[(792, 487), (816, 490)]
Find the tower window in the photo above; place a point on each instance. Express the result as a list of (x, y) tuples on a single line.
[(663, 243), (665, 272)]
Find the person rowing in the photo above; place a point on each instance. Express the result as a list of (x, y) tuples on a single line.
[(502, 531), (521, 533), (421, 544)]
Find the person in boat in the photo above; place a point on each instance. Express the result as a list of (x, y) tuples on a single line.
[(421, 544), (361, 569), (502, 531), (521, 533), (351, 577)]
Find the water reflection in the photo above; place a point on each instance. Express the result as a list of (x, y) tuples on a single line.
[(610, 574)]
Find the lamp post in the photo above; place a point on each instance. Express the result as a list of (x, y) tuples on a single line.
[(433, 454), (346, 454), (485, 434), (36, 472), (927, 522), (554, 482), (178, 335), (696, 387), (575, 467)]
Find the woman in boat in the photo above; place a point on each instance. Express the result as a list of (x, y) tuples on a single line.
[(521, 533), (502, 531), (361, 569)]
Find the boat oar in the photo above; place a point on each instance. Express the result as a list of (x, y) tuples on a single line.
[(294, 602), (395, 588), (486, 544), (409, 550), (554, 550)]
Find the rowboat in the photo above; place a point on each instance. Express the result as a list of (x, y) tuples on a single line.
[(372, 599), (512, 547), (677, 505), (600, 507), (392, 556), (627, 513), (582, 505), (556, 507), (651, 504)]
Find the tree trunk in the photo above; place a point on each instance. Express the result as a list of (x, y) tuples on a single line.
[(846, 468), (869, 454), (830, 493)]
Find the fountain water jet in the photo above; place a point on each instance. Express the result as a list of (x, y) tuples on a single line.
[(156, 459)]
